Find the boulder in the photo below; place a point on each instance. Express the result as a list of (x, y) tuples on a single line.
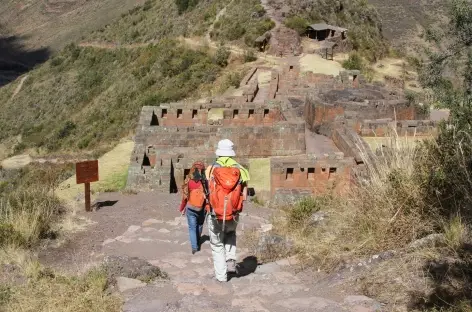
[(272, 247), (124, 283), (131, 267), (432, 240)]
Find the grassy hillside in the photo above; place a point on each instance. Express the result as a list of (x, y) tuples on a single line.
[(244, 20), (157, 19), (85, 96), (402, 20), (55, 23)]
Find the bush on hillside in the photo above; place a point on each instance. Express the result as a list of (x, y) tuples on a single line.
[(249, 56), (222, 55), (354, 61), (184, 5), (297, 23), (244, 19)]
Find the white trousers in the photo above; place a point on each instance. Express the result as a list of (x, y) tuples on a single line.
[(223, 245)]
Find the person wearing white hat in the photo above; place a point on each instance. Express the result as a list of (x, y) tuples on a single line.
[(223, 233)]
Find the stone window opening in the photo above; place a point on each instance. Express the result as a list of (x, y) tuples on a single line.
[(266, 113), (154, 119), (311, 174), (251, 113), (164, 113), (235, 114), (146, 161), (179, 113), (289, 174), (332, 172), (323, 169), (291, 67), (194, 113)]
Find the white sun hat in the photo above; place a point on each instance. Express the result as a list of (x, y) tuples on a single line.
[(225, 149)]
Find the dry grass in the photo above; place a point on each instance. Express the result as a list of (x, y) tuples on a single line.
[(49, 292), (26, 216), (385, 211), (456, 233), (113, 171)]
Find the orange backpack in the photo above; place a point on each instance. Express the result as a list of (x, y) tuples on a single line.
[(196, 197), (225, 192)]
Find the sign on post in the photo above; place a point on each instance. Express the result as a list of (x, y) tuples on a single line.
[(87, 172)]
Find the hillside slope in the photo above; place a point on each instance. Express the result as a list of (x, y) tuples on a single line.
[(402, 20), (54, 23)]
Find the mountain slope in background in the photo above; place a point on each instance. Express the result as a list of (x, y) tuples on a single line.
[(403, 20), (54, 23)]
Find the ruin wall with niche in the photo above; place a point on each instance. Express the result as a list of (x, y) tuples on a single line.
[(342, 108), (308, 175)]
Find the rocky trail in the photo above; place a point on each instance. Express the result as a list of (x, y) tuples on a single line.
[(148, 226)]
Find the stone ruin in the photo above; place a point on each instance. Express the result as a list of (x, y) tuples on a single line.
[(307, 127)]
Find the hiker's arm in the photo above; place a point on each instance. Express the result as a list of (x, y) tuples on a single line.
[(244, 191), (182, 205)]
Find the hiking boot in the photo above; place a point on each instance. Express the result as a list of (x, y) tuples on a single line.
[(217, 280), (231, 266), (194, 251)]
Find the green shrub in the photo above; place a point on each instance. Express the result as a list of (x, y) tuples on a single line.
[(222, 55), (354, 62), (244, 19), (184, 5), (297, 23), (301, 212), (249, 56)]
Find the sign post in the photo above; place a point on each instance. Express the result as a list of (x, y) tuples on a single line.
[(87, 172)]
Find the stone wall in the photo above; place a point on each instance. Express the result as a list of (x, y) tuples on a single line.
[(384, 127), (318, 112), (309, 175), (281, 139), (170, 137), (197, 114)]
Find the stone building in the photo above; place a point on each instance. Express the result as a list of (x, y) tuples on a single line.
[(306, 128)]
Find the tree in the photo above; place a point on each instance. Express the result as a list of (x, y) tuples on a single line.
[(448, 73)]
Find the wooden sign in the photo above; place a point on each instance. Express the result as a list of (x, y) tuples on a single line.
[(87, 172)]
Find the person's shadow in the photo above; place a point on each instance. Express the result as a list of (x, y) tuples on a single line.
[(245, 267)]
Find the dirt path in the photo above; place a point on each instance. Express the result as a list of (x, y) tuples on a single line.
[(18, 88), (111, 46), (217, 18), (148, 226)]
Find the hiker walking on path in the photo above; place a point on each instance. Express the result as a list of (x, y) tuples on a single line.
[(193, 203), (227, 182)]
